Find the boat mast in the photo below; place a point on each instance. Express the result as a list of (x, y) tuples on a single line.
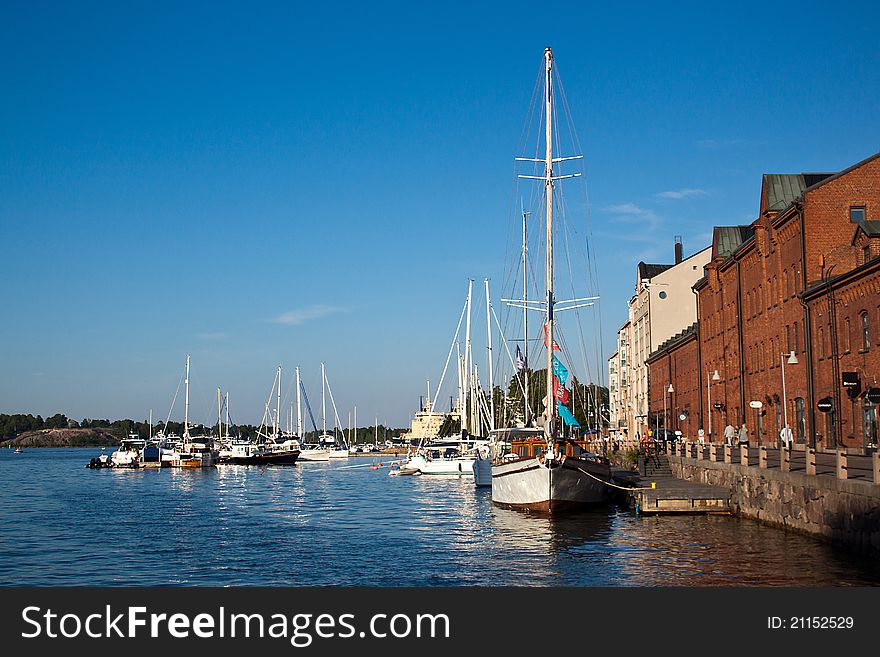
[(355, 423), (491, 377), (219, 413), (186, 405), (525, 322), (227, 416), (150, 427), (299, 410), (548, 191), (278, 406), (323, 402), (467, 352), (461, 410)]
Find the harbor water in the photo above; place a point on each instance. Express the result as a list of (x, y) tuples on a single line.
[(331, 524)]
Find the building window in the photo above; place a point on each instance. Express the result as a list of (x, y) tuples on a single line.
[(787, 339), (856, 213), (796, 337), (846, 336), (800, 419), (866, 330), (785, 289), (662, 294), (821, 343), (866, 254)]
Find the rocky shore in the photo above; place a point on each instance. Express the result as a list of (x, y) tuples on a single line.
[(63, 438)]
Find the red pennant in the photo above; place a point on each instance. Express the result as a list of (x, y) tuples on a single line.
[(555, 345)]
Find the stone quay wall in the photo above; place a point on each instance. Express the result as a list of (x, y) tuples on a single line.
[(842, 512)]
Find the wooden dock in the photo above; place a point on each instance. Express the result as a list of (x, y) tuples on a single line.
[(654, 490)]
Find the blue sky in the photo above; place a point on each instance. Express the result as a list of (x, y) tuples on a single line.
[(255, 183)]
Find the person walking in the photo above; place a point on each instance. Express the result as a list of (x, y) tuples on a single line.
[(744, 435), (729, 435), (785, 436)]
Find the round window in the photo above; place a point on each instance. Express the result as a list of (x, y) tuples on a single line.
[(662, 294)]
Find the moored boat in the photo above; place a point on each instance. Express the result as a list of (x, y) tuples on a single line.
[(540, 468)]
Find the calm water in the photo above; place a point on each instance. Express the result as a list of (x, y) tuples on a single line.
[(327, 524)]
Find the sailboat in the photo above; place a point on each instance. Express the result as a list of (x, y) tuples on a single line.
[(538, 468), (193, 451)]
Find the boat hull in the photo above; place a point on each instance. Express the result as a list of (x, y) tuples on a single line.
[(532, 485), (314, 455), (483, 472), (278, 458)]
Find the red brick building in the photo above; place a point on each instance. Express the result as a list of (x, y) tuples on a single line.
[(676, 363), (804, 277)]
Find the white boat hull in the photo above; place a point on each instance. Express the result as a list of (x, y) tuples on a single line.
[(314, 455), (338, 453), (458, 467), (533, 485)]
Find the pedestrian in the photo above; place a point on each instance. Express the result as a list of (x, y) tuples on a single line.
[(743, 435), (785, 436), (729, 435)]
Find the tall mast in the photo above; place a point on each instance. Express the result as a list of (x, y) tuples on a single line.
[(150, 427), (227, 416), (278, 406), (355, 423), (525, 320), (299, 410), (467, 350), (548, 191), (219, 413), (491, 377), (186, 405), (462, 414), (428, 398), (323, 402)]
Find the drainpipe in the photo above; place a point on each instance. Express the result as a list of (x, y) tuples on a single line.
[(739, 330), (808, 328), (700, 367)]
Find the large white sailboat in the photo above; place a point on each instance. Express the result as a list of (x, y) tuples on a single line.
[(538, 468), (193, 451)]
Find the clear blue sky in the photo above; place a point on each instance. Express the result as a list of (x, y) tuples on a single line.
[(255, 183)]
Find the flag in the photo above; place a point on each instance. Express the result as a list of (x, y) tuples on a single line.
[(560, 371), (559, 391), (566, 415), (555, 345), (520, 359)]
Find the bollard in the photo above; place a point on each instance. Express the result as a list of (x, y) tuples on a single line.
[(713, 455), (875, 461), (744, 455), (727, 451), (841, 464), (811, 461), (785, 460), (762, 457), (698, 451)]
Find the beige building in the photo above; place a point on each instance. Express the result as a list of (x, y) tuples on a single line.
[(663, 305), (620, 419)]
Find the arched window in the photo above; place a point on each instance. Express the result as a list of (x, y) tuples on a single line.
[(866, 330)]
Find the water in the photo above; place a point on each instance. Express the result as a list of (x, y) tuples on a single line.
[(329, 525)]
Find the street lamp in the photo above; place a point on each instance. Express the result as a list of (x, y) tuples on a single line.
[(792, 360), (715, 377), (665, 422)]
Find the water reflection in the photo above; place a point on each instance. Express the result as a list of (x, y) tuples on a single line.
[(325, 524)]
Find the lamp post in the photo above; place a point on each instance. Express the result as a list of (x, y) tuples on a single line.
[(792, 360), (665, 421), (714, 377)]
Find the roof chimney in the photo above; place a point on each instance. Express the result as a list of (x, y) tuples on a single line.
[(678, 249)]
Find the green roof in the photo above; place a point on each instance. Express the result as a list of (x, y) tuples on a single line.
[(783, 188)]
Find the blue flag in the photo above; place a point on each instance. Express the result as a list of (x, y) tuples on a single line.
[(566, 415), (520, 359), (560, 371)]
